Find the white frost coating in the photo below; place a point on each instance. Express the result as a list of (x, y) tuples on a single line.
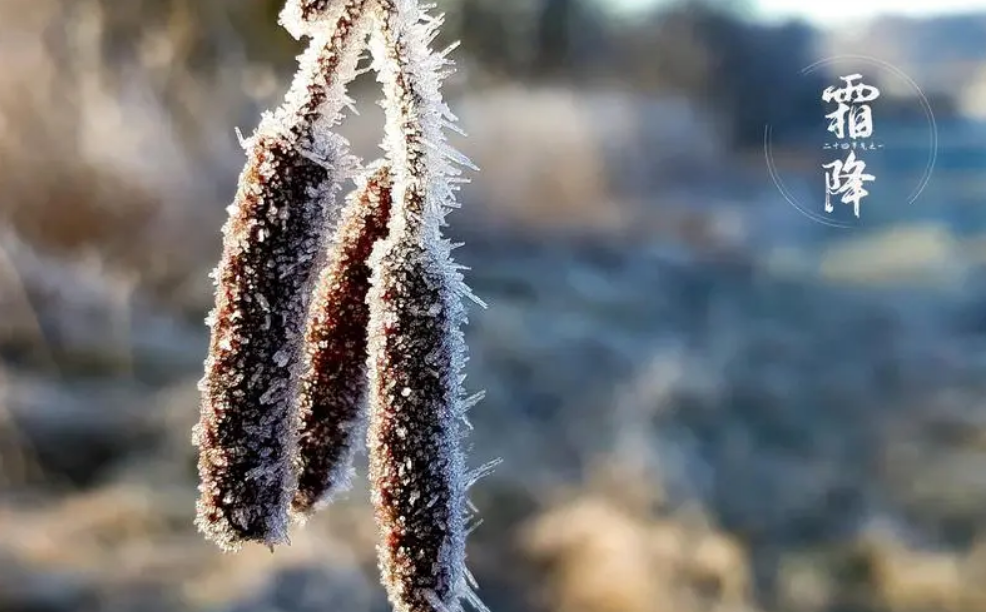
[(426, 70), (301, 18), (321, 145), (416, 30)]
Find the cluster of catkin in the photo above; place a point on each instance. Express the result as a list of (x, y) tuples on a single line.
[(332, 326)]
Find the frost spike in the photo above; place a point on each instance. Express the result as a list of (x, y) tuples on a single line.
[(271, 244), (416, 349), (331, 408)]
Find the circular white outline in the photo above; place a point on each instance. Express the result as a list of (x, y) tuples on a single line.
[(933, 138)]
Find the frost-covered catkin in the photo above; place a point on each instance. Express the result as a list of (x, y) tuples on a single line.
[(416, 348), (272, 242), (416, 468), (331, 406)]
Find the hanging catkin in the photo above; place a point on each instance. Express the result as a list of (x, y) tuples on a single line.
[(271, 249)]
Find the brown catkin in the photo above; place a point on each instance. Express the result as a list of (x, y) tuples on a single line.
[(271, 246), (416, 466), (416, 349), (331, 406)]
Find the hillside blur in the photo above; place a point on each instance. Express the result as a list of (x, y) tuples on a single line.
[(706, 401)]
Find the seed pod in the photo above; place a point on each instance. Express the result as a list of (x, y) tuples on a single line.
[(272, 242), (331, 406), (416, 349)]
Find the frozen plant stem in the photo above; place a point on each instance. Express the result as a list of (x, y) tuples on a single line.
[(272, 244)]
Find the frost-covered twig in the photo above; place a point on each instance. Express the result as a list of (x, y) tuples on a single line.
[(272, 243), (416, 350)]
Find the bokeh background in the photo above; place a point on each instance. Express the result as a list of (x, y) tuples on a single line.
[(705, 401)]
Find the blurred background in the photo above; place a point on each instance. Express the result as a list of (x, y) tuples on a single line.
[(706, 401)]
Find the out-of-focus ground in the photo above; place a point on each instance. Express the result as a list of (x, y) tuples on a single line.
[(705, 401)]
